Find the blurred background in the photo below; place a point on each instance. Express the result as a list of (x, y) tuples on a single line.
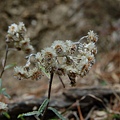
[(49, 20)]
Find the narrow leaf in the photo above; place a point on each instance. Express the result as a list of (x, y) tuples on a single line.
[(0, 82), (6, 115), (22, 118), (57, 113), (3, 91), (9, 66), (43, 70), (27, 114), (42, 107)]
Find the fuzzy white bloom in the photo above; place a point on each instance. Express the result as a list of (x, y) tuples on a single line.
[(35, 73), (28, 49), (25, 42), (72, 74), (16, 35), (25, 45), (68, 60), (71, 48), (90, 46), (92, 36), (19, 69), (49, 56), (48, 53), (94, 51), (21, 27), (21, 72), (71, 69), (32, 71), (49, 50), (85, 70), (13, 29), (89, 55), (25, 73), (39, 57), (83, 60), (59, 47), (60, 70)]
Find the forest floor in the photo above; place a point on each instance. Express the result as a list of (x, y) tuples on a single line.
[(47, 21)]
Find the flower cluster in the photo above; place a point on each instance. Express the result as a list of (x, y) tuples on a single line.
[(25, 73), (64, 58), (16, 36)]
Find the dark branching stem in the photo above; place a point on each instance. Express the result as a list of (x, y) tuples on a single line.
[(50, 84), (61, 81), (49, 93), (5, 60)]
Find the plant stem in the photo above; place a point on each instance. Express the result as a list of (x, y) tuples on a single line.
[(61, 81), (5, 60), (49, 93), (50, 85)]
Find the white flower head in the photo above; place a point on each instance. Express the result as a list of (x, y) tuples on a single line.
[(71, 69), (68, 60), (94, 51), (21, 72), (71, 47), (72, 74), (21, 27), (35, 73), (90, 46), (28, 49), (85, 69), (59, 47), (25, 42), (39, 57), (83, 60), (58, 69), (92, 36), (48, 55), (13, 29), (89, 56)]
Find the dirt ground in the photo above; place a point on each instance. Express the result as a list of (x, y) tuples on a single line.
[(49, 20)]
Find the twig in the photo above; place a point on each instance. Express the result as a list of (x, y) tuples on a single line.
[(90, 113), (110, 86), (5, 60), (79, 110)]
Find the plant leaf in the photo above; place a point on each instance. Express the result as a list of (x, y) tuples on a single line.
[(9, 66), (57, 113), (42, 107), (3, 91), (0, 82), (6, 115), (43, 70), (37, 113), (27, 114)]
